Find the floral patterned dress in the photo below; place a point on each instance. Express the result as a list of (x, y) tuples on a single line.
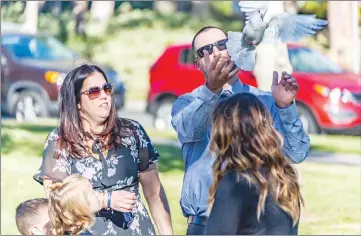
[(118, 171)]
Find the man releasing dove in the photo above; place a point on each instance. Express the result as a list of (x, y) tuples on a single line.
[(262, 27)]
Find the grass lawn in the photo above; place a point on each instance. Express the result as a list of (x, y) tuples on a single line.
[(336, 143), (332, 192)]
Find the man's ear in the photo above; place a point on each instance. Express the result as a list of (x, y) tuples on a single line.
[(36, 231), (196, 62)]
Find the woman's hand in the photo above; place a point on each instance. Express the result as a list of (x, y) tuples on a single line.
[(123, 201)]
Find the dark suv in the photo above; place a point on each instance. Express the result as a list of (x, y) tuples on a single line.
[(33, 67)]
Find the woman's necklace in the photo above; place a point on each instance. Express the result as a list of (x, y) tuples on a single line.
[(97, 146)]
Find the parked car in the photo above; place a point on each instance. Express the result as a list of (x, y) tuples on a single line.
[(329, 98), (33, 67)]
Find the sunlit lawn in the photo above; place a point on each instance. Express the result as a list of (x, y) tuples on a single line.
[(332, 192)]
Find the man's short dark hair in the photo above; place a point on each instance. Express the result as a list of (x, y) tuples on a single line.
[(204, 29), (27, 214)]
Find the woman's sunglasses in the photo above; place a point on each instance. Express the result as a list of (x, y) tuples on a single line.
[(94, 92), (221, 45)]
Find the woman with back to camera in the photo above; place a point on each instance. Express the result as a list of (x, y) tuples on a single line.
[(114, 153), (255, 189)]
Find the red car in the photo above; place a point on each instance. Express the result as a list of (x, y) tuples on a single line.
[(329, 99)]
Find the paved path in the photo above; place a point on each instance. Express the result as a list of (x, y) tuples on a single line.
[(313, 156)]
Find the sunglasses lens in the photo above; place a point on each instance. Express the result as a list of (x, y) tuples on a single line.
[(208, 48), (108, 89), (200, 52), (222, 45), (93, 93)]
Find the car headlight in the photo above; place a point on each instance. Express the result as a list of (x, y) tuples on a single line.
[(335, 95), (54, 77), (322, 90), (347, 96), (60, 80)]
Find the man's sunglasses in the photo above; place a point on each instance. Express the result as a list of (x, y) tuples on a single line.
[(221, 45), (94, 92)]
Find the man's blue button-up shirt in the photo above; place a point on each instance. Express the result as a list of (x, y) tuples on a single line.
[(191, 118)]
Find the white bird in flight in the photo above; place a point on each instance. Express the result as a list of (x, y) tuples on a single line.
[(261, 27)]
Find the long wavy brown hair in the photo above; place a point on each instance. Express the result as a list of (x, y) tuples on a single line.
[(72, 205), (244, 139), (70, 130)]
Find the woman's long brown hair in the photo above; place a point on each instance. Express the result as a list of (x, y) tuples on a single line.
[(70, 130), (244, 139)]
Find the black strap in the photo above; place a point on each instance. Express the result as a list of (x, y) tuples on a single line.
[(197, 220), (120, 219)]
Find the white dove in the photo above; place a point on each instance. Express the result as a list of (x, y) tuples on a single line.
[(261, 27)]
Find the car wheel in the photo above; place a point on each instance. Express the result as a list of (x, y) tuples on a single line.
[(29, 106), (309, 123), (162, 116)]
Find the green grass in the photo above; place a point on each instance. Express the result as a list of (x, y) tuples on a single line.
[(332, 192), (336, 143)]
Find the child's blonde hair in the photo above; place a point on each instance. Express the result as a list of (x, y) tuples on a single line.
[(71, 205)]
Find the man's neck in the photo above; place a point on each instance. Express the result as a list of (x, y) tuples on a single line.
[(229, 84)]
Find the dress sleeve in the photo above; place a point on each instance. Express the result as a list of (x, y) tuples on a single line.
[(148, 154), (229, 204), (51, 167)]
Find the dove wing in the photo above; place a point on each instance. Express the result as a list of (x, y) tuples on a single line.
[(291, 27), (240, 52), (250, 7)]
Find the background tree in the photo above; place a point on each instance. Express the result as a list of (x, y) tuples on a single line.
[(31, 14)]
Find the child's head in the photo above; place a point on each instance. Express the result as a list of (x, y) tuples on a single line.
[(32, 217), (73, 204)]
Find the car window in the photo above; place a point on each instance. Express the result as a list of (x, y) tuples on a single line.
[(311, 61), (187, 56), (36, 47)]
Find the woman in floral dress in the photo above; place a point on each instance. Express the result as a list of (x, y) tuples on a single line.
[(114, 153)]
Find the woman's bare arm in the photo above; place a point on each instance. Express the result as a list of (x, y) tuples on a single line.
[(157, 200)]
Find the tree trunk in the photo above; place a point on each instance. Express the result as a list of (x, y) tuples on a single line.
[(31, 16), (183, 6), (164, 6), (57, 8), (101, 12), (342, 29), (271, 57), (200, 8), (79, 10), (41, 5), (290, 6)]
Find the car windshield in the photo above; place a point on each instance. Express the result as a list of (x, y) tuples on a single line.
[(312, 61), (43, 48)]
